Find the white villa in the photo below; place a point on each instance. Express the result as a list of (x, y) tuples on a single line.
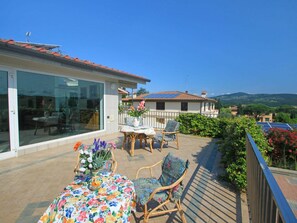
[(176, 101), (48, 99)]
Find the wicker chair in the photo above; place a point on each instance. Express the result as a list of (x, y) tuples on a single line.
[(170, 133), (168, 188)]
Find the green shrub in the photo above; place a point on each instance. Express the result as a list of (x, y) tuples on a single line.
[(232, 146), (197, 124), (232, 134)]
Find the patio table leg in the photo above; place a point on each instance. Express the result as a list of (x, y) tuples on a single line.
[(132, 137), (124, 141), (151, 143)]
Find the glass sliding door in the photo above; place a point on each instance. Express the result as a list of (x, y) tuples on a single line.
[(51, 107), (4, 114)]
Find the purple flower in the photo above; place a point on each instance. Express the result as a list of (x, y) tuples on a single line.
[(103, 144)]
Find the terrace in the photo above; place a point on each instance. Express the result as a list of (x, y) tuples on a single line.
[(32, 181)]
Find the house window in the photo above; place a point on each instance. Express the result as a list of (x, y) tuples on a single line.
[(184, 106), (52, 107), (160, 105)]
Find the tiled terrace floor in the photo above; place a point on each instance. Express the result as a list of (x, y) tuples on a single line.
[(30, 182)]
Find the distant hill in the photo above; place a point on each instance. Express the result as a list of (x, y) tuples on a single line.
[(272, 100)]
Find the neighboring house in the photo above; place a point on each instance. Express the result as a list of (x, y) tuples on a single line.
[(48, 99), (176, 101), (266, 118), (234, 110)]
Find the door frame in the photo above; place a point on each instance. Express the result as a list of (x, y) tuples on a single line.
[(12, 114)]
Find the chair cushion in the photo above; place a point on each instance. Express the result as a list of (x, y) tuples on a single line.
[(172, 169), (171, 126), (168, 137), (144, 187), (177, 192)]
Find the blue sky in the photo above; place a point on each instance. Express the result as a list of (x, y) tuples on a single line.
[(221, 46)]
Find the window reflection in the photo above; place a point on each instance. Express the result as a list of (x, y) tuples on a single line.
[(52, 107)]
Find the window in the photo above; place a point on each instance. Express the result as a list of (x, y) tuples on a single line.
[(184, 106), (52, 107), (160, 105)]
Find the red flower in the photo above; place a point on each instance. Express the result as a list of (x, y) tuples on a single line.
[(76, 146)]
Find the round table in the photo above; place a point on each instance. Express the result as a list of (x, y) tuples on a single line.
[(112, 201)]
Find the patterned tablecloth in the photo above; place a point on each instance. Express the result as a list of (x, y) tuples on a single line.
[(108, 198)]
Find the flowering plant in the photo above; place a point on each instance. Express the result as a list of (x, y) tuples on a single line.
[(284, 143), (93, 157), (140, 110)]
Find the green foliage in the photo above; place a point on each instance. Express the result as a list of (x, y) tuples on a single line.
[(282, 117), (285, 118), (256, 110), (121, 108), (232, 146), (232, 134), (225, 113), (196, 124), (142, 91), (288, 109)]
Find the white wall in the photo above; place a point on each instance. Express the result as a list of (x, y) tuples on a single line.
[(193, 107), (111, 107)]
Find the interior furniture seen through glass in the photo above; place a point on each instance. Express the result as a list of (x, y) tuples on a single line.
[(51, 107), (4, 120)]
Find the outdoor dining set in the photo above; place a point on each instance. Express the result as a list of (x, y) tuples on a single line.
[(99, 194)]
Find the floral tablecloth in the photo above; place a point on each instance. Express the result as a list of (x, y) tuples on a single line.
[(112, 200)]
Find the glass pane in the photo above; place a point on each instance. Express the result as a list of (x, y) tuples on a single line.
[(4, 119), (53, 107)]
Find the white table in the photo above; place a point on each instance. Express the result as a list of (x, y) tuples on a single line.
[(141, 132)]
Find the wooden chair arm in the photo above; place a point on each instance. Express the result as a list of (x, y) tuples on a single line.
[(77, 164), (169, 132), (169, 187), (148, 167), (114, 163)]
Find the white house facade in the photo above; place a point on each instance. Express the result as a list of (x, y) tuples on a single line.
[(176, 101), (49, 99)]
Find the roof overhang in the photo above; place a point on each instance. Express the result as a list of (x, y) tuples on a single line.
[(54, 59)]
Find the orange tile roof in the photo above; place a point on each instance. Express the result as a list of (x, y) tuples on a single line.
[(40, 51), (176, 96)]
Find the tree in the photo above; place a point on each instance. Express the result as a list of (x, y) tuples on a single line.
[(256, 110), (291, 110), (225, 113), (282, 117), (142, 91), (218, 105)]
